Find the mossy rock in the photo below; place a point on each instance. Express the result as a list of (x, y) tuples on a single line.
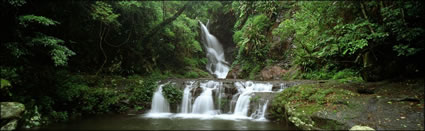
[(11, 110)]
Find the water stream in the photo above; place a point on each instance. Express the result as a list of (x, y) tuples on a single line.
[(217, 64)]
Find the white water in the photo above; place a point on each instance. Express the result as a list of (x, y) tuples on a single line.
[(203, 106), (233, 101), (187, 98), (159, 103), (217, 64), (247, 88), (259, 114), (204, 103), (263, 112), (160, 106)]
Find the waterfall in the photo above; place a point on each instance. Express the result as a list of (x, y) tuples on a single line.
[(187, 98), (219, 95), (247, 88), (159, 103), (263, 112), (259, 114), (212, 99), (204, 103), (217, 64), (233, 101)]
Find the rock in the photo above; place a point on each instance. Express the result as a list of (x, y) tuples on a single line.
[(10, 113), (234, 73), (11, 110), (272, 72), (10, 125), (358, 127)]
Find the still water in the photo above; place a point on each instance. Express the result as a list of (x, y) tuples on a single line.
[(140, 122)]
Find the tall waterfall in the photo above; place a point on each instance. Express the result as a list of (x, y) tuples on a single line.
[(217, 64), (159, 103)]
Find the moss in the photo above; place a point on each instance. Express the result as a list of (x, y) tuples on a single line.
[(300, 102)]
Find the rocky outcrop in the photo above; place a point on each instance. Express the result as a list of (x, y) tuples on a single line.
[(10, 114), (272, 73)]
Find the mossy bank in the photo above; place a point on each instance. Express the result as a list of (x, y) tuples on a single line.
[(333, 105)]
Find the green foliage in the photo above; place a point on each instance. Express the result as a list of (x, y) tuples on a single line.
[(191, 74), (25, 20), (172, 94), (103, 12), (326, 33), (254, 99), (5, 87), (59, 116), (92, 100), (32, 118), (4, 83), (405, 50), (142, 95), (250, 39), (58, 52)]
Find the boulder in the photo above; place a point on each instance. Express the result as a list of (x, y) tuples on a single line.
[(10, 110), (10, 114), (272, 72)]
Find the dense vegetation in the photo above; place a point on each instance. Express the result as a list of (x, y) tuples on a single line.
[(378, 39), (63, 58)]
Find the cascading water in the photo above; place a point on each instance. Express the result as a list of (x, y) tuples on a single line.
[(263, 112), (233, 101), (217, 64), (204, 106), (159, 103), (247, 88), (208, 104), (187, 98), (204, 103), (259, 114)]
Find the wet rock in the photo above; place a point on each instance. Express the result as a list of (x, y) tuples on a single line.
[(363, 128)]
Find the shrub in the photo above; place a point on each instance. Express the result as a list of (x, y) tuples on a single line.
[(172, 94)]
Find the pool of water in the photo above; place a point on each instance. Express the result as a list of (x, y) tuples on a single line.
[(172, 122)]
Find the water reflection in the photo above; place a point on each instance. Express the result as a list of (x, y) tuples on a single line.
[(138, 122)]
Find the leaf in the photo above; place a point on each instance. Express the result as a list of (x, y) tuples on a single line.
[(4, 83)]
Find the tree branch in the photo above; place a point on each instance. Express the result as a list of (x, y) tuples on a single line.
[(165, 22)]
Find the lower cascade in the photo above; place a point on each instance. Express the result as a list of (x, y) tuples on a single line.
[(159, 103), (213, 99)]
